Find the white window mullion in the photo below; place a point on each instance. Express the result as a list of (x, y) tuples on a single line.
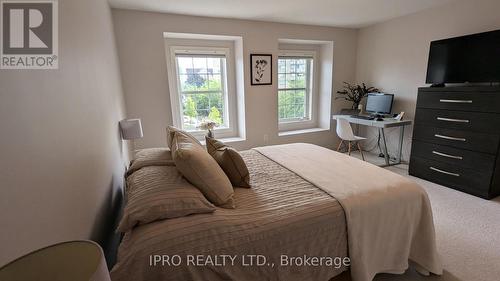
[(225, 95), (309, 76), (178, 98)]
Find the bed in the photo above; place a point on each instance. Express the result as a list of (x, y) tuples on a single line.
[(306, 202)]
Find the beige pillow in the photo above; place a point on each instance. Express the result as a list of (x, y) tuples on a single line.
[(160, 192), (230, 161), (151, 157), (171, 132), (200, 169)]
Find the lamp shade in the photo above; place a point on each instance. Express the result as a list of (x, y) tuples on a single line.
[(72, 260), (131, 129)]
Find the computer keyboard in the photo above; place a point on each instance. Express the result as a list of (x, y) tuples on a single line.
[(362, 117)]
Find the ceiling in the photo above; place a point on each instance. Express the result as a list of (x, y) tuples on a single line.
[(341, 13)]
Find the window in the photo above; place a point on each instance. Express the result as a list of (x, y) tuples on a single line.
[(295, 90), (202, 89)]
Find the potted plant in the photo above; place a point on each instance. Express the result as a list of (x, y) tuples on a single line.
[(355, 93)]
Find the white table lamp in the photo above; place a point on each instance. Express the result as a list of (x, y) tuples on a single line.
[(72, 260), (131, 129)]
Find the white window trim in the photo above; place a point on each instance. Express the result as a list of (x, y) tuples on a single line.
[(312, 106), (230, 88)]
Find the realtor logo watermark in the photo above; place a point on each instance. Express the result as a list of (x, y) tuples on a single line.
[(29, 34)]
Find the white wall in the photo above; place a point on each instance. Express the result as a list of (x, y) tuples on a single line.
[(393, 55), (61, 153), (144, 71)]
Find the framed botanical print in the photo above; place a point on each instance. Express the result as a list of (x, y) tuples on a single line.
[(261, 69)]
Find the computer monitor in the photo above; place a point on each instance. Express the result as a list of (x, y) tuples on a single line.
[(379, 103)]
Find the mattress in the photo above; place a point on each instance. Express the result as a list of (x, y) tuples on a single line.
[(283, 228)]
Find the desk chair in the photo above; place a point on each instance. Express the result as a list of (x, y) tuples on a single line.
[(344, 131)]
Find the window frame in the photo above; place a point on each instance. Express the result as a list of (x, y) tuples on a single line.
[(311, 92), (229, 90)]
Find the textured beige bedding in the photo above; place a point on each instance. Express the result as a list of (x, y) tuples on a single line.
[(151, 157), (389, 217), (282, 214)]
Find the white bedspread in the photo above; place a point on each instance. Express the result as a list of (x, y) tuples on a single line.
[(389, 217)]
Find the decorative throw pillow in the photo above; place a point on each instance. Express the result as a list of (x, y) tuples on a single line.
[(202, 171), (151, 157), (230, 161), (160, 192), (171, 132)]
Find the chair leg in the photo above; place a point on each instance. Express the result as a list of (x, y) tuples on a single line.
[(349, 150), (361, 151), (340, 145)]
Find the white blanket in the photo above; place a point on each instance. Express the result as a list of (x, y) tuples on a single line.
[(389, 217)]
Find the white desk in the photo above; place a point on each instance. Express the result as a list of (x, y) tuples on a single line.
[(381, 125)]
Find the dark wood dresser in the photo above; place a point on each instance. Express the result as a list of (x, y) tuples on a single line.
[(456, 139)]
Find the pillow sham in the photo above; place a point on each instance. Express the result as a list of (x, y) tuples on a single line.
[(202, 170), (151, 157), (160, 192), (171, 132), (230, 161)]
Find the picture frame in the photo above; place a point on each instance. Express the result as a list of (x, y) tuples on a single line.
[(261, 69)]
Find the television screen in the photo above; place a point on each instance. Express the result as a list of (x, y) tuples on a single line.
[(471, 58)]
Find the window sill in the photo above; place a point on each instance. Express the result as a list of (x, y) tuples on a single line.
[(226, 140), (303, 131)]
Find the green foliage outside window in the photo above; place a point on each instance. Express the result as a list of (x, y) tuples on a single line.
[(202, 100), (190, 108), (291, 104), (215, 116)]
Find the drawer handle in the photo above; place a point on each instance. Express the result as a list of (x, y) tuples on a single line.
[(444, 172), (455, 101), (449, 138), (452, 120), (447, 155)]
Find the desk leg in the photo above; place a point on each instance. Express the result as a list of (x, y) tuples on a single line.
[(386, 154), (400, 150)]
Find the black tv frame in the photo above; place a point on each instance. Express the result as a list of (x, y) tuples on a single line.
[(476, 36)]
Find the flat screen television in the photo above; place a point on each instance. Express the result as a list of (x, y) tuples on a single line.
[(473, 58)]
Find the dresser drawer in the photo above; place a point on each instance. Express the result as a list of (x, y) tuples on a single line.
[(461, 120), (466, 101), (480, 142), (471, 181), (453, 156)]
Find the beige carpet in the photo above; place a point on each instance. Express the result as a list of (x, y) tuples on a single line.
[(468, 234)]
